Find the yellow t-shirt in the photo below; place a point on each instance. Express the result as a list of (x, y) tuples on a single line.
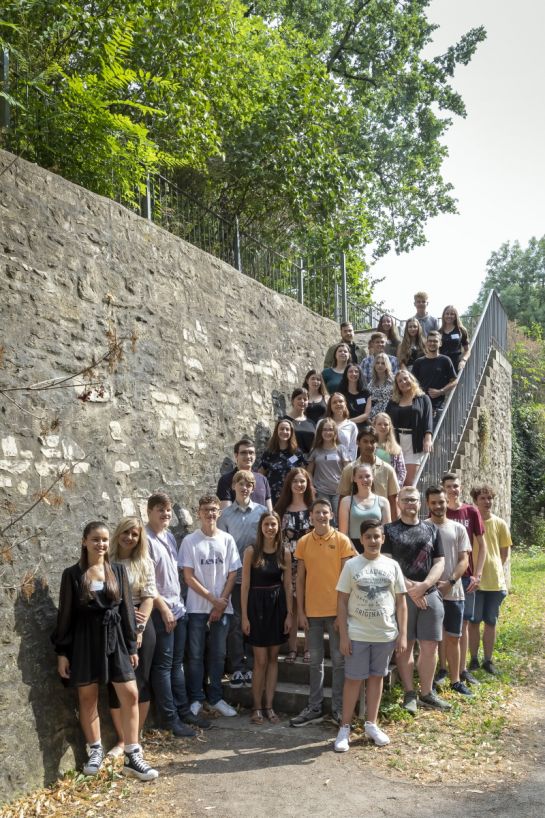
[(497, 536), (323, 558)]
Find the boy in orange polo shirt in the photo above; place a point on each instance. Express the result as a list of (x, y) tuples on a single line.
[(320, 556)]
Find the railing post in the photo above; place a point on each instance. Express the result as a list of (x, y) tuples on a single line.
[(4, 80), (145, 207), (344, 293), (301, 282), (236, 247)]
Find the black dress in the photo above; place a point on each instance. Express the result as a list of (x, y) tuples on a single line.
[(96, 636), (267, 609)]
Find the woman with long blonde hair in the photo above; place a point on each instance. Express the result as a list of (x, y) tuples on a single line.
[(388, 449), (412, 418), (381, 384), (454, 338), (412, 344)]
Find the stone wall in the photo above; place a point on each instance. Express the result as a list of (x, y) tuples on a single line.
[(210, 356)]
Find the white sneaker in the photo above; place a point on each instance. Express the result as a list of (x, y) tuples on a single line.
[(342, 742), (376, 734), (195, 708), (224, 709)]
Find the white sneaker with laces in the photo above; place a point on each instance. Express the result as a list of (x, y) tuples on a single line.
[(342, 742), (376, 734), (195, 708), (224, 709)]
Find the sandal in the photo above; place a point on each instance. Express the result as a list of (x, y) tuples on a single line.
[(306, 657), (291, 656), (256, 717), (271, 715)]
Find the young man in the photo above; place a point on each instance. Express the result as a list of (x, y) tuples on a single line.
[(377, 343), (426, 321), (457, 548), (435, 374), (418, 549), (384, 477), (209, 559), (371, 596), (244, 458), (357, 351), (240, 520), (320, 556), (170, 621), (470, 518), (493, 587)]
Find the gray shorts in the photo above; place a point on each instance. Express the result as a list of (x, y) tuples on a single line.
[(368, 659), (426, 625)]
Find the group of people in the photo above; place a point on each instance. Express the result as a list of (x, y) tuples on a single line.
[(316, 535)]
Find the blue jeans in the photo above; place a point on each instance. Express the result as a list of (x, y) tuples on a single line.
[(167, 670), (317, 627), (215, 655)]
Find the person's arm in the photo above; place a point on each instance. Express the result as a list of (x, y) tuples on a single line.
[(365, 414), (216, 613), (344, 515), (245, 587), (311, 465), (300, 594), (437, 393), (401, 616), (169, 620), (427, 424), (394, 513), (444, 586), (478, 564), (504, 553), (63, 635), (417, 590), (286, 579), (342, 623), (386, 516), (219, 603)]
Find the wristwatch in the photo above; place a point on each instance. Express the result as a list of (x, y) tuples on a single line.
[(452, 581), (140, 628)]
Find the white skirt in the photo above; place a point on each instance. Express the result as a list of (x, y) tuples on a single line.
[(406, 443)]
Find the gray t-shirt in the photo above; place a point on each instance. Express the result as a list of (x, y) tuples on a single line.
[(428, 323), (328, 468), (455, 542)]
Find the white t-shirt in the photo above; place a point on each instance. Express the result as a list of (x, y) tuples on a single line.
[(372, 585), (455, 542), (212, 560)]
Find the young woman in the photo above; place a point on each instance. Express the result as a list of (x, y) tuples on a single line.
[(304, 428), (293, 509), (388, 449), (412, 344), (411, 414), (266, 603), (95, 642), (327, 460), (346, 429), (381, 384), (362, 505), (387, 325), (317, 396), (356, 394), (333, 374), (281, 455), (454, 338), (129, 547)]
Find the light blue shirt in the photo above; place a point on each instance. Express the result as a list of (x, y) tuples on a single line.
[(241, 523)]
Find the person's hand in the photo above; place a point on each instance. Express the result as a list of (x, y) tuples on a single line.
[(215, 615), (345, 646), (474, 582), (220, 603), (288, 621), (63, 667), (417, 590), (134, 660), (169, 620), (435, 393), (139, 638), (303, 622), (444, 587), (246, 626), (401, 644), (141, 618), (427, 446)]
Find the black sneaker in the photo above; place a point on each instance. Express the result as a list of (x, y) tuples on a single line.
[(432, 700), (490, 667), (473, 664), (459, 687), (136, 767), (195, 721), (307, 716), (410, 703), (237, 679), (441, 678), (94, 762), (469, 678), (181, 730)]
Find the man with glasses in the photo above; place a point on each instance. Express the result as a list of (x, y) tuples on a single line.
[(244, 450), (418, 549), (209, 559)]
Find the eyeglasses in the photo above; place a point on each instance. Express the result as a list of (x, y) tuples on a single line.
[(410, 500)]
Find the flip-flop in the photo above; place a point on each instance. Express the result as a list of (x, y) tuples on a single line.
[(291, 656), (306, 657), (256, 717), (271, 715)]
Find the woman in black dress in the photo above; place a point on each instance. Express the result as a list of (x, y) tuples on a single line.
[(266, 602), (95, 642)]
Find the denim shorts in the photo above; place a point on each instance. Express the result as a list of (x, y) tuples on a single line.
[(368, 659), (454, 616), (487, 606), (469, 602)]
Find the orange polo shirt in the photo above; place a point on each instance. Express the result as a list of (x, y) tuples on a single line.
[(323, 558)]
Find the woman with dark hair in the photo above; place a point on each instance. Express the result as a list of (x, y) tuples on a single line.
[(412, 344), (266, 603), (387, 325), (304, 428), (362, 504), (327, 461), (454, 338), (129, 547), (356, 394), (293, 508), (346, 429), (317, 396), (333, 374), (281, 455), (95, 642), (411, 413)]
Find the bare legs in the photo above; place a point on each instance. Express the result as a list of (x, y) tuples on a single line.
[(412, 468), (426, 665), (265, 674), (127, 694), (143, 710), (489, 639)]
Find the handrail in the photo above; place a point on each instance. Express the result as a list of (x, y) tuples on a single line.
[(491, 332)]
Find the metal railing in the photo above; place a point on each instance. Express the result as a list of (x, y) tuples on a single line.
[(490, 333)]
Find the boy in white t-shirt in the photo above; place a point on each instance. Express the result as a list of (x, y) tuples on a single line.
[(371, 597)]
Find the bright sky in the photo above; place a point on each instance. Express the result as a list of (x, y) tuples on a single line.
[(496, 156)]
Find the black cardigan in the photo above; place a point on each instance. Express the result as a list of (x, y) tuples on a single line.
[(421, 419)]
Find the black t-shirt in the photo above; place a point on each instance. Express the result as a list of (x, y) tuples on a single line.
[(304, 432), (434, 373), (414, 547), (357, 403)]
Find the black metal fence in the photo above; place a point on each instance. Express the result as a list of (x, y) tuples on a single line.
[(490, 333)]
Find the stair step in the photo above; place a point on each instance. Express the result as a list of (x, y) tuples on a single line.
[(289, 698), (298, 672)]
